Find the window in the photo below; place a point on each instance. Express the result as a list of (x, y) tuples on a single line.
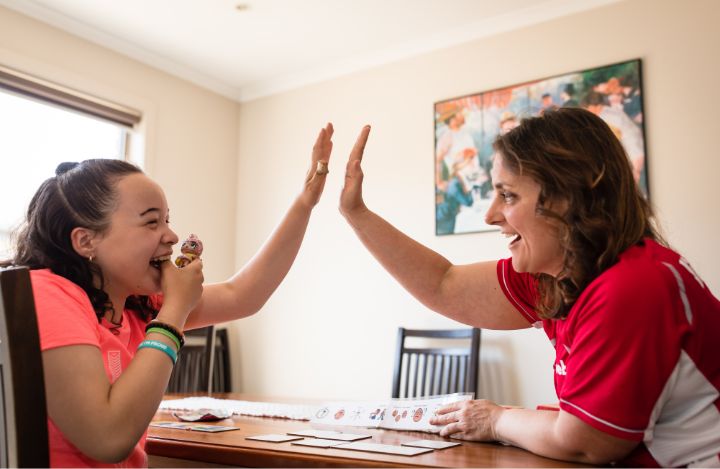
[(37, 133)]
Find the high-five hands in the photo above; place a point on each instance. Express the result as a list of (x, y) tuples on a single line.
[(351, 201), (317, 173)]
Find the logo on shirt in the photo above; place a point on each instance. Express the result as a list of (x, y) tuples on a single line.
[(114, 364), (560, 368)]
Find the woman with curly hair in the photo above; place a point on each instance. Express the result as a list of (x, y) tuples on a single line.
[(635, 330)]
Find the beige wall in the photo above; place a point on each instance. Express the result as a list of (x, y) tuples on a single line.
[(330, 329), (189, 134), (231, 170)]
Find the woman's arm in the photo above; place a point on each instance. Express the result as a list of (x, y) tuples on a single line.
[(558, 435), (248, 290), (469, 294)]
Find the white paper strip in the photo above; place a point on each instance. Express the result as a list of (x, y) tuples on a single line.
[(255, 409)]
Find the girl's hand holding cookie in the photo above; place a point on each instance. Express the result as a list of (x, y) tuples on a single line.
[(182, 285)]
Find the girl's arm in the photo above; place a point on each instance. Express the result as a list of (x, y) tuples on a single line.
[(105, 420), (248, 290)]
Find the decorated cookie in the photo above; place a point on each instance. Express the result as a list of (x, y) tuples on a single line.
[(191, 249)]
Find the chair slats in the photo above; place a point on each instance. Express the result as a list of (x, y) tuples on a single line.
[(407, 373), (191, 370), (426, 371), (433, 375), (414, 357), (442, 389), (454, 374)]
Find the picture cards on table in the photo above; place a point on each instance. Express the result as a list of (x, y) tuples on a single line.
[(213, 428), (273, 438), (330, 435), (433, 444), (197, 427), (386, 449), (318, 443)]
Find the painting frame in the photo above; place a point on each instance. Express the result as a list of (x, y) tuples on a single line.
[(466, 126)]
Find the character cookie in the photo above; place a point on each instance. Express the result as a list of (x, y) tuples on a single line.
[(191, 249)]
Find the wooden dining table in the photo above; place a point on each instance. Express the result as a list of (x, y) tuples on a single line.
[(168, 447)]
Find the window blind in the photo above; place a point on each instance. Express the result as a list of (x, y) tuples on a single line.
[(37, 88)]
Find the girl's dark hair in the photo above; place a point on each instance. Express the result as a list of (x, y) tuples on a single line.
[(80, 195), (575, 157)]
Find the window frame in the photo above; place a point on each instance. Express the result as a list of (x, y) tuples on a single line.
[(32, 87), (53, 93)]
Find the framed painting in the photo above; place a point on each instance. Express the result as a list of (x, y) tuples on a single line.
[(466, 127)]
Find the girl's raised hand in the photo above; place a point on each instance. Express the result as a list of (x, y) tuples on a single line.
[(316, 175)]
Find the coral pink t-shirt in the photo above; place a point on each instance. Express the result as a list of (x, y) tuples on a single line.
[(66, 317)]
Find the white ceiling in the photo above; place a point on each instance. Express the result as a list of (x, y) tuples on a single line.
[(277, 45)]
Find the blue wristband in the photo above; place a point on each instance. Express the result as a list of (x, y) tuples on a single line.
[(157, 345)]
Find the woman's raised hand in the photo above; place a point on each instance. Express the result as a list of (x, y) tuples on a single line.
[(351, 201), (316, 175)]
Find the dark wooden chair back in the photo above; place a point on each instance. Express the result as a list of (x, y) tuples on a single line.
[(23, 419), (429, 371), (199, 370)]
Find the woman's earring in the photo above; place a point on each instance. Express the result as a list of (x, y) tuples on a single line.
[(90, 258)]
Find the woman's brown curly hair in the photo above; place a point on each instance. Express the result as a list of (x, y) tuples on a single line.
[(575, 157)]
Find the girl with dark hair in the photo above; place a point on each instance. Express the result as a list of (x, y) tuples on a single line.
[(111, 306), (636, 331)]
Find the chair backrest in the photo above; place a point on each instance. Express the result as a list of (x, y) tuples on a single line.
[(428, 371), (23, 423), (207, 376), (198, 370)]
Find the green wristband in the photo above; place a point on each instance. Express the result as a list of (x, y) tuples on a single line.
[(167, 334), (157, 345), (167, 327)]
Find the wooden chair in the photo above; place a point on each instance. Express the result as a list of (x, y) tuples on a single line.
[(23, 418), (199, 370), (428, 371)]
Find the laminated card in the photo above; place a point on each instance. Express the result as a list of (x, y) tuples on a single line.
[(395, 414)]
